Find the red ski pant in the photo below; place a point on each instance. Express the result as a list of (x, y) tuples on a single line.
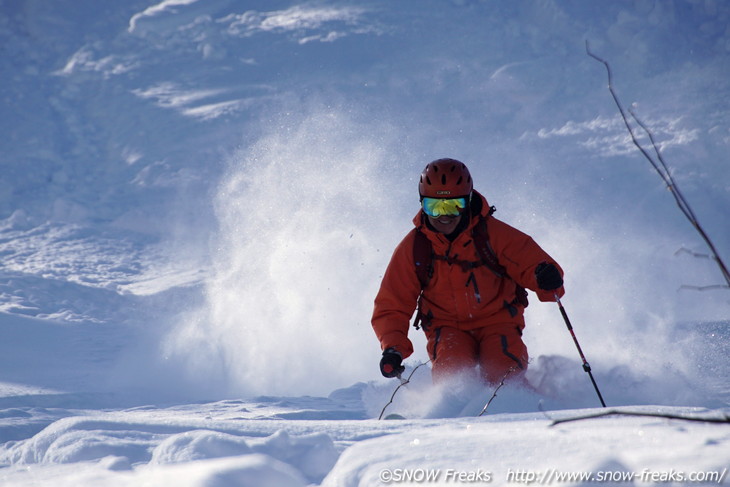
[(498, 351)]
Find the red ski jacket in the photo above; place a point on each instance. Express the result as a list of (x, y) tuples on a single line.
[(460, 298)]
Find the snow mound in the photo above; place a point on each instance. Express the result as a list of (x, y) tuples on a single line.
[(312, 455), (121, 444), (496, 450), (254, 470)]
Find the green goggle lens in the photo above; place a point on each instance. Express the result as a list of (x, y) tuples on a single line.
[(436, 207)]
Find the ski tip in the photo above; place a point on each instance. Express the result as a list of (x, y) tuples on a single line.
[(394, 416)]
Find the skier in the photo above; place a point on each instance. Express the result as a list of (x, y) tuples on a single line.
[(466, 279)]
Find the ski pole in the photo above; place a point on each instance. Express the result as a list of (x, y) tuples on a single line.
[(586, 366)]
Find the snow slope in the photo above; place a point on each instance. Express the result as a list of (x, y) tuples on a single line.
[(199, 197)]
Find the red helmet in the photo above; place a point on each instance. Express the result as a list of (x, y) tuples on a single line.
[(445, 178)]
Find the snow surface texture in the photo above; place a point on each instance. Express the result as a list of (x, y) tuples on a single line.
[(199, 198)]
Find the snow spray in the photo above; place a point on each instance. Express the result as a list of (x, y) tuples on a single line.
[(306, 218)]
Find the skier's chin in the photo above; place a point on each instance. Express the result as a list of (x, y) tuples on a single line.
[(445, 224)]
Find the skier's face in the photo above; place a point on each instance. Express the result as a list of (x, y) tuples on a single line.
[(444, 224)]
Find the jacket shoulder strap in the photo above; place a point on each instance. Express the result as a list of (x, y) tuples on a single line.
[(480, 235), (484, 248), (423, 257)]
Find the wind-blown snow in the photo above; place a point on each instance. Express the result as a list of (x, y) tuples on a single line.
[(199, 197)]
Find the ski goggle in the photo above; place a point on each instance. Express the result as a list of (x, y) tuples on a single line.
[(436, 207)]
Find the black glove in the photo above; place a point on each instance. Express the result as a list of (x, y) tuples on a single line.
[(548, 277), (390, 364)]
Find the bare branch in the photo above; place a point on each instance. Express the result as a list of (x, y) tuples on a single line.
[(684, 250), (704, 288), (614, 412), (661, 168)]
